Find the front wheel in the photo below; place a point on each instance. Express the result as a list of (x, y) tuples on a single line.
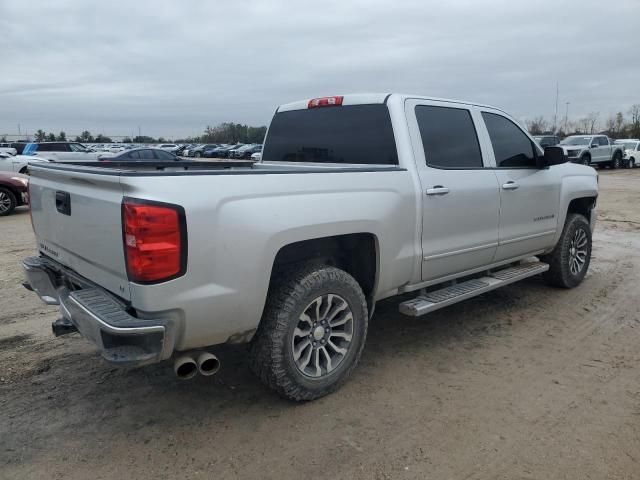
[(198, 155), (311, 334), (585, 160), (569, 260), (631, 163)]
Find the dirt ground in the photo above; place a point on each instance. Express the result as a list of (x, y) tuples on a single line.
[(526, 382)]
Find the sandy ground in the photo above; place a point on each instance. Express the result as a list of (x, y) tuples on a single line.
[(527, 382)]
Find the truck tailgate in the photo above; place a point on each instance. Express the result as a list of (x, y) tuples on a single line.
[(77, 222)]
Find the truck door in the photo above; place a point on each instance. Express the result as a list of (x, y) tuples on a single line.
[(529, 196), (605, 150), (460, 197)]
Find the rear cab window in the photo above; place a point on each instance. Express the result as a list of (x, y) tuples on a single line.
[(449, 137), (349, 134)]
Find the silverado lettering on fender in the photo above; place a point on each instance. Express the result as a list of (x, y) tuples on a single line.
[(357, 198)]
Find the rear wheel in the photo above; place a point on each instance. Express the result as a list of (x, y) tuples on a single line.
[(569, 260), (617, 160), (311, 334), (8, 201)]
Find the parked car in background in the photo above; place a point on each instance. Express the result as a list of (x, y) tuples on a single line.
[(231, 152), (248, 151), (188, 149), (18, 163), (198, 151), (142, 155), (180, 151), (169, 147), (221, 151), (631, 156), (546, 140), (386, 195), (7, 148), (593, 150), (61, 151), (13, 192)]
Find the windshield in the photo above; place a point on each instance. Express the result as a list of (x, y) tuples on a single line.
[(359, 134), (576, 141)]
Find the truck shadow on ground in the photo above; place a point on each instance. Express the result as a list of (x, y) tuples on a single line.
[(83, 395)]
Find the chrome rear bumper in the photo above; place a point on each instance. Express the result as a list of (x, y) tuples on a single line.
[(123, 339)]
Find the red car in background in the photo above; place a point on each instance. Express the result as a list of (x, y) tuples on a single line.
[(13, 192)]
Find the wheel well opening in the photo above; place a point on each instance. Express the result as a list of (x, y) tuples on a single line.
[(583, 206), (354, 253)]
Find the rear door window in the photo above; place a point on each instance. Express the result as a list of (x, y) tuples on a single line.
[(164, 156), (146, 154), (449, 137), (511, 147), (360, 134)]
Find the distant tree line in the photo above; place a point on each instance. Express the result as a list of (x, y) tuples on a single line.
[(615, 126), (226, 132)]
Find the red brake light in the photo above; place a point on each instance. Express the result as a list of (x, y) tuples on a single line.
[(154, 241), (325, 102)]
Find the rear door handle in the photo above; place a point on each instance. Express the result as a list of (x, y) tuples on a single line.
[(510, 185), (437, 190)]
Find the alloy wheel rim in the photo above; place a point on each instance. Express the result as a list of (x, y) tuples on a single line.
[(323, 336), (5, 202), (578, 251)]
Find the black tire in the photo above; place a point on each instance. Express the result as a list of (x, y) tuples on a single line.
[(197, 155), (560, 273), (272, 348), (585, 160), (631, 163), (8, 202), (617, 161)]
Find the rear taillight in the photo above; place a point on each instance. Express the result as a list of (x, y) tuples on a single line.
[(325, 102), (155, 240)]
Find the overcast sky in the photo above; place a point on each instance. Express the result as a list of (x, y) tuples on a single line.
[(173, 67)]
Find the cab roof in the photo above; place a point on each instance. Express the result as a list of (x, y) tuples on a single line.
[(372, 98)]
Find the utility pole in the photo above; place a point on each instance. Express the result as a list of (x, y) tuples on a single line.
[(139, 135), (566, 118), (555, 116)]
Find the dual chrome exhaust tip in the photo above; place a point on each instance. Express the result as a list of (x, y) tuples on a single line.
[(205, 363)]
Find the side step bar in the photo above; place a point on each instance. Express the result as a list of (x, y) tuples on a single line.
[(428, 302)]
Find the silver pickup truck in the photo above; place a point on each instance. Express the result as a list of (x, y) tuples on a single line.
[(357, 198)]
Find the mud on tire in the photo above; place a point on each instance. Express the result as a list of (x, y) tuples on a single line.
[(569, 260), (305, 312)]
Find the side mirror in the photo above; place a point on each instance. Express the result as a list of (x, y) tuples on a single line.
[(593, 146), (552, 156)]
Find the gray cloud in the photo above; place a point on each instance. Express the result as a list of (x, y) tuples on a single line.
[(174, 67)]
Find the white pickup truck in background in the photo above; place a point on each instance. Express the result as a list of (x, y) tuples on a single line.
[(593, 150), (357, 198), (61, 151)]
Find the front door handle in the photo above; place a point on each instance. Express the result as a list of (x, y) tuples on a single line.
[(437, 190), (510, 185)]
